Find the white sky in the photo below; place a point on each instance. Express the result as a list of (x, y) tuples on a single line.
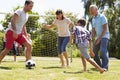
[(40, 6)]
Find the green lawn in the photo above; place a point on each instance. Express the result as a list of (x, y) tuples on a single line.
[(48, 69)]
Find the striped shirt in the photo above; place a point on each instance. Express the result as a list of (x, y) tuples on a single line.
[(81, 35)]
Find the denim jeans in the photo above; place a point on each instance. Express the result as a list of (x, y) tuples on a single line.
[(102, 46), (62, 43)]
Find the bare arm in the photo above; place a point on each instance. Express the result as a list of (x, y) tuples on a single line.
[(71, 38), (104, 31), (71, 25), (49, 26), (13, 20), (24, 31)]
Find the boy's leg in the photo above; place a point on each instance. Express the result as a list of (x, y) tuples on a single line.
[(83, 62), (95, 65)]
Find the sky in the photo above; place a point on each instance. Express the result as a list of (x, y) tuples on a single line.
[(40, 6)]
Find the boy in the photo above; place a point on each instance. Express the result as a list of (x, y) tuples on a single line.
[(83, 38)]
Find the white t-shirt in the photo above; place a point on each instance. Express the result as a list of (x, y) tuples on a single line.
[(63, 27), (20, 22)]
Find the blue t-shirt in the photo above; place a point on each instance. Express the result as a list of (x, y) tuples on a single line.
[(98, 23)]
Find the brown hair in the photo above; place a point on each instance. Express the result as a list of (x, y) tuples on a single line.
[(27, 2), (82, 22), (59, 11)]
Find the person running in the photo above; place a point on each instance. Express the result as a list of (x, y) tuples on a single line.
[(83, 38), (17, 31), (62, 24)]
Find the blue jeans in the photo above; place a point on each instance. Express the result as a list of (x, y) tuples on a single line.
[(102, 46), (62, 43)]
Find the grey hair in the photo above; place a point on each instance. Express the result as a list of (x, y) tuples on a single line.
[(94, 6)]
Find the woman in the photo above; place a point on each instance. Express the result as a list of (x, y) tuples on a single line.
[(62, 24)]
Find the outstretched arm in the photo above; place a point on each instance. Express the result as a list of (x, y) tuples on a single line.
[(49, 26)]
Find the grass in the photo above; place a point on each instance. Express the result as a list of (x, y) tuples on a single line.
[(48, 69)]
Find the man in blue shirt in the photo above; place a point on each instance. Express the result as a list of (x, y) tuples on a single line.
[(100, 29)]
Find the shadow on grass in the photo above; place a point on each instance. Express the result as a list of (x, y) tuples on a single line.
[(6, 68), (21, 61), (52, 67), (93, 69), (78, 72)]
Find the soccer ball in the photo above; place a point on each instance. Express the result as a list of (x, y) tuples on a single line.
[(30, 64)]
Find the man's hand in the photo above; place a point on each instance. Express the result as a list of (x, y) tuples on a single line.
[(98, 41)]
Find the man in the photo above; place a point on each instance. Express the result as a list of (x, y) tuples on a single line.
[(100, 28), (17, 31)]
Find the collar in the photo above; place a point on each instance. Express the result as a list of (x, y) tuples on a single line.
[(97, 15)]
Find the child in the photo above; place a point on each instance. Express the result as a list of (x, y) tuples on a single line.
[(82, 38)]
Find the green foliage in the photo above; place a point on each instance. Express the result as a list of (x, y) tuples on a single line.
[(114, 27), (37, 47), (6, 21), (49, 40), (1, 40), (32, 24)]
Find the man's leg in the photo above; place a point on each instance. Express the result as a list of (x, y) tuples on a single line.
[(105, 55), (96, 49), (28, 51), (3, 53), (8, 45)]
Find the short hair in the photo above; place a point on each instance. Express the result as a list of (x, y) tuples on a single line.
[(27, 2), (59, 11), (94, 6), (82, 22)]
